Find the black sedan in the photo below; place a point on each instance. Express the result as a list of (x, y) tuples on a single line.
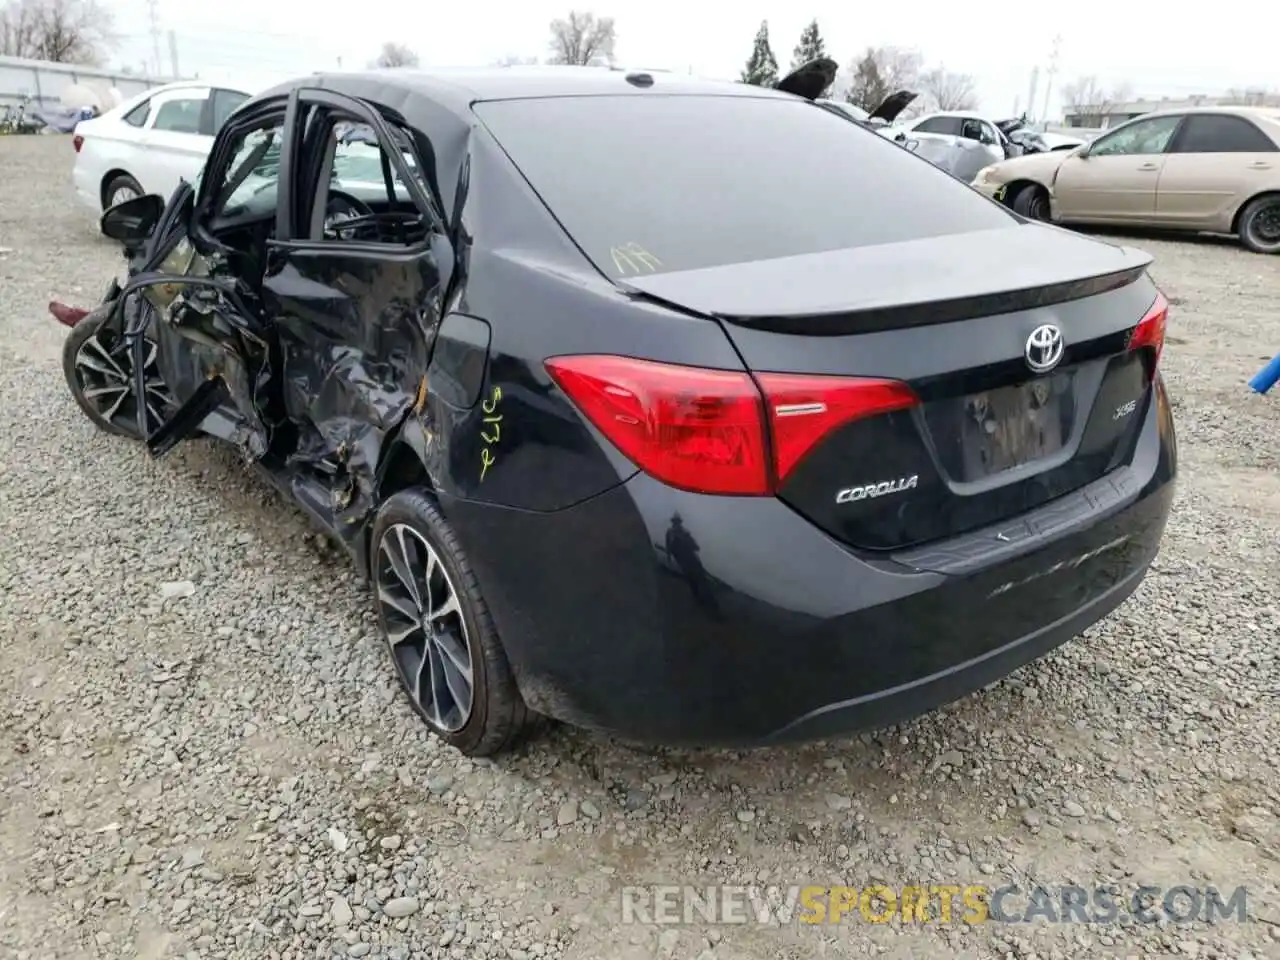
[(683, 410)]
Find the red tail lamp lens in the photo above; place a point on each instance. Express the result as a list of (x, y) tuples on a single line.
[(695, 429), (804, 409), (1149, 332), (77, 141), (711, 431)]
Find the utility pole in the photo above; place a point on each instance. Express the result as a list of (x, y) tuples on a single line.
[(1053, 71), (153, 12), (173, 54), (1031, 91)]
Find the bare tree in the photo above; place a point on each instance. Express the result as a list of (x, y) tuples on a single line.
[(396, 55), (581, 38), (1090, 102), (64, 31), (944, 90), (882, 71)]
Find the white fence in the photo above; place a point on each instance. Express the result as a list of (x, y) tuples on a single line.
[(44, 82)]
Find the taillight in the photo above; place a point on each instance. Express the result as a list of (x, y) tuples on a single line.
[(1149, 333), (711, 431), (696, 429), (804, 409), (77, 141)]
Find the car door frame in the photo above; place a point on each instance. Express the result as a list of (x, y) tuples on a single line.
[(293, 281), (1132, 209), (1202, 211), (222, 153)]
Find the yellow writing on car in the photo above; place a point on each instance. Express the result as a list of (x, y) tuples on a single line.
[(631, 257), (492, 431)]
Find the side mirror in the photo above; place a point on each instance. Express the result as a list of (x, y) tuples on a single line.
[(1082, 152), (132, 221)]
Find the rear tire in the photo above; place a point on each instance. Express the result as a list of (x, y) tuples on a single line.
[(1032, 202), (119, 188), (1259, 228), (418, 569)]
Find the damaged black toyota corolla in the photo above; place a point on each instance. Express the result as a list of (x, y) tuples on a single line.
[(683, 410)]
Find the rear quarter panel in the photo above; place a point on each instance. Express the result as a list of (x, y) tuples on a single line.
[(110, 144), (541, 298)]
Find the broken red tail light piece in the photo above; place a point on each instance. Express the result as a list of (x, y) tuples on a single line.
[(66, 315)]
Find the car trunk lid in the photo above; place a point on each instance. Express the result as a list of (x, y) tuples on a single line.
[(893, 105), (1016, 344)]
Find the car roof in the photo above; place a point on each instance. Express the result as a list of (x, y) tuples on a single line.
[(965, 114), (1269, 113), (178, 85), (458, 88)]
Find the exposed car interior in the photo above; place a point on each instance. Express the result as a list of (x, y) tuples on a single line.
[(346, 185)]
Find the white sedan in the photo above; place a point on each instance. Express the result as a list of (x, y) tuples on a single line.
[(149, 143)]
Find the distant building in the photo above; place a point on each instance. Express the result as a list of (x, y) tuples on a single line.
[(1105, 115)]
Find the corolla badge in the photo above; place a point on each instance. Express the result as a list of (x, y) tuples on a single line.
[(853, 494), (1044, 348)]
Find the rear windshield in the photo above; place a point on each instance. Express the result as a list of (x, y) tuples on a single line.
[(649, 184)]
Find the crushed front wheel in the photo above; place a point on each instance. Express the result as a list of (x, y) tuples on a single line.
[(98, 365)]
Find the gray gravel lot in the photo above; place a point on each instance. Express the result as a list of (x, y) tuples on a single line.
[(233, 774)]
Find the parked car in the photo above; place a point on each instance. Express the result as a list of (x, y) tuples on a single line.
[(1208, 169), (149, 143), (634, 424), (960, 142), (1035, 141), (1021, 134)]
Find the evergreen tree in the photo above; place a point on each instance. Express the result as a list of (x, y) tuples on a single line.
[(762, 67), (810, 46), (869, 87)]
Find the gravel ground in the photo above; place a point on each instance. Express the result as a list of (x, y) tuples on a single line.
[(232, 773)]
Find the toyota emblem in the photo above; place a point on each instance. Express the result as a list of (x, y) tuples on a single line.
[(1044, 348)]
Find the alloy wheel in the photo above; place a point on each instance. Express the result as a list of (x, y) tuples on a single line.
[(104, 369), (121, 194), (426, 631)]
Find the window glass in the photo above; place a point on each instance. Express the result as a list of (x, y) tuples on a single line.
[(224, 104), (137, 117), (179, 116), (1222, 134), (357, 158), (700, 181), (1140, 137), (253, 176), (951, 126), (977, 130), (357, 204)]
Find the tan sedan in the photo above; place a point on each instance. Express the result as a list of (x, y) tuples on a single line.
[(1207, 169)]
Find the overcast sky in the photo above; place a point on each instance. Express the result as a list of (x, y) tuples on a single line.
[(1170, 49)]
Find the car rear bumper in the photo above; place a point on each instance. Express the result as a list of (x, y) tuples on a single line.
[(742, 623), (87, 189)]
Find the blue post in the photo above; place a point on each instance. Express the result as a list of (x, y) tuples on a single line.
[(1268, 376)]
